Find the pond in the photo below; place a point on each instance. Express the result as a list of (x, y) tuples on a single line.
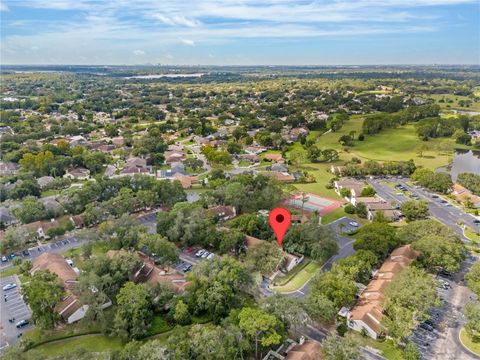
[(463, 161)]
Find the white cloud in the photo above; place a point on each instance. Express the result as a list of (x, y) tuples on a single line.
[(138, 52), (179, 20), (3, 7), (187, 42)]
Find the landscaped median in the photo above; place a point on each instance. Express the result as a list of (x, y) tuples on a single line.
[(297, 278), (468, 343)]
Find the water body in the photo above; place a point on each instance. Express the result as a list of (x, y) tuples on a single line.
[(159, 76), (463, 161)]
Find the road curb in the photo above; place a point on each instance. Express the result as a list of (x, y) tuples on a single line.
[(464, 346)]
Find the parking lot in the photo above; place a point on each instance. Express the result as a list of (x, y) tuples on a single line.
[(13, 310), (61, 245)]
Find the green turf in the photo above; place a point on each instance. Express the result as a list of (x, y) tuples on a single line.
[(475, 106), (94, 343), (469, 343), (9, 272), (334, 215), (387, 347), (472, 235), (299, 279)]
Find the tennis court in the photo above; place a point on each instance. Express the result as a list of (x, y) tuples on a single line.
[(314, 203)]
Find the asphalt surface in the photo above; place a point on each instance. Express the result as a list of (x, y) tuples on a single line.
[(446, 212), (13, 308), (60, 245)]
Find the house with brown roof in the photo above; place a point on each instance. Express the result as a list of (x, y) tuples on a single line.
[(77, 173), (305, 349), (71, 309), (367, 313), (387, 209), (274, 158), (462, 194), (353, 185), (223, 212), (280, 176)]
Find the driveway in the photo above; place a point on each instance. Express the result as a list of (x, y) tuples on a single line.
[(13, 307)]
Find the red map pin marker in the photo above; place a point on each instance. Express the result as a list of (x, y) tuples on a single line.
[(280, 220)]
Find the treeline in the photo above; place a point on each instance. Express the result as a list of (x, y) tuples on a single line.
[(404, 168), (470, 181), (435, 181), (375, 123)]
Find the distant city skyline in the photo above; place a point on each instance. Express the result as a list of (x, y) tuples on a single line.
[(243, 32)]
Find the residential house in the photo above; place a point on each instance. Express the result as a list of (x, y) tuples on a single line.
[(174, 156), (6, 217), (274, 158), (388, 210), (8, 168), (253, 158), (366, 200), (77, 221), (41, 227), (44, 181), (280, 176), (305, 349), (255, 150), (77, 173), (278, 167), (367, 313), (223, 212), (5, 130), (149, 272), (77, 140), (110, 171), (291, 260), (354, 186), (71, 309), (462, 194)]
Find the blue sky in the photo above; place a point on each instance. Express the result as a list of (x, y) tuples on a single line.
[(240, 32)]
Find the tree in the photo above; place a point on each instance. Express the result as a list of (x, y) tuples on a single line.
[(472, 313), (361, 210), (265, 257), (216, 286), (379, 238), (159, 248), (30, 210), (181, 314), (43, 293), (320, 308), (335, 348), (344, 192), (411, 352), (473, 278), (414, 210), (336, 286), (260, 327), (438, 252), (408, 299), (368, 191), (133, 315), (287, 309)]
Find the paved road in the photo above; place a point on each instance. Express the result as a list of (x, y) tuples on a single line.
[(13, 307), (445, 212)]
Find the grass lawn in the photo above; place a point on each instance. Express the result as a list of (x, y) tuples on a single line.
[(451, 102), (9, 272), (468, 343), (94, 343), (387, 347), (469, 233), (299, 279), (334, 215), (159, 325), (50, 193)]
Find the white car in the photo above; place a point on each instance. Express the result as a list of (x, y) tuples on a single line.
[(200, 252), (205, 254), (210, 257), (353, 223), (9, 286)]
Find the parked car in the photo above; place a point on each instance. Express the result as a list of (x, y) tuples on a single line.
[(205, 254), (434, 196), (187, 268), (200, 252), (4, 259), (353, 223), (22, 323), (189, 250), (26, 253), (9, 286)]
